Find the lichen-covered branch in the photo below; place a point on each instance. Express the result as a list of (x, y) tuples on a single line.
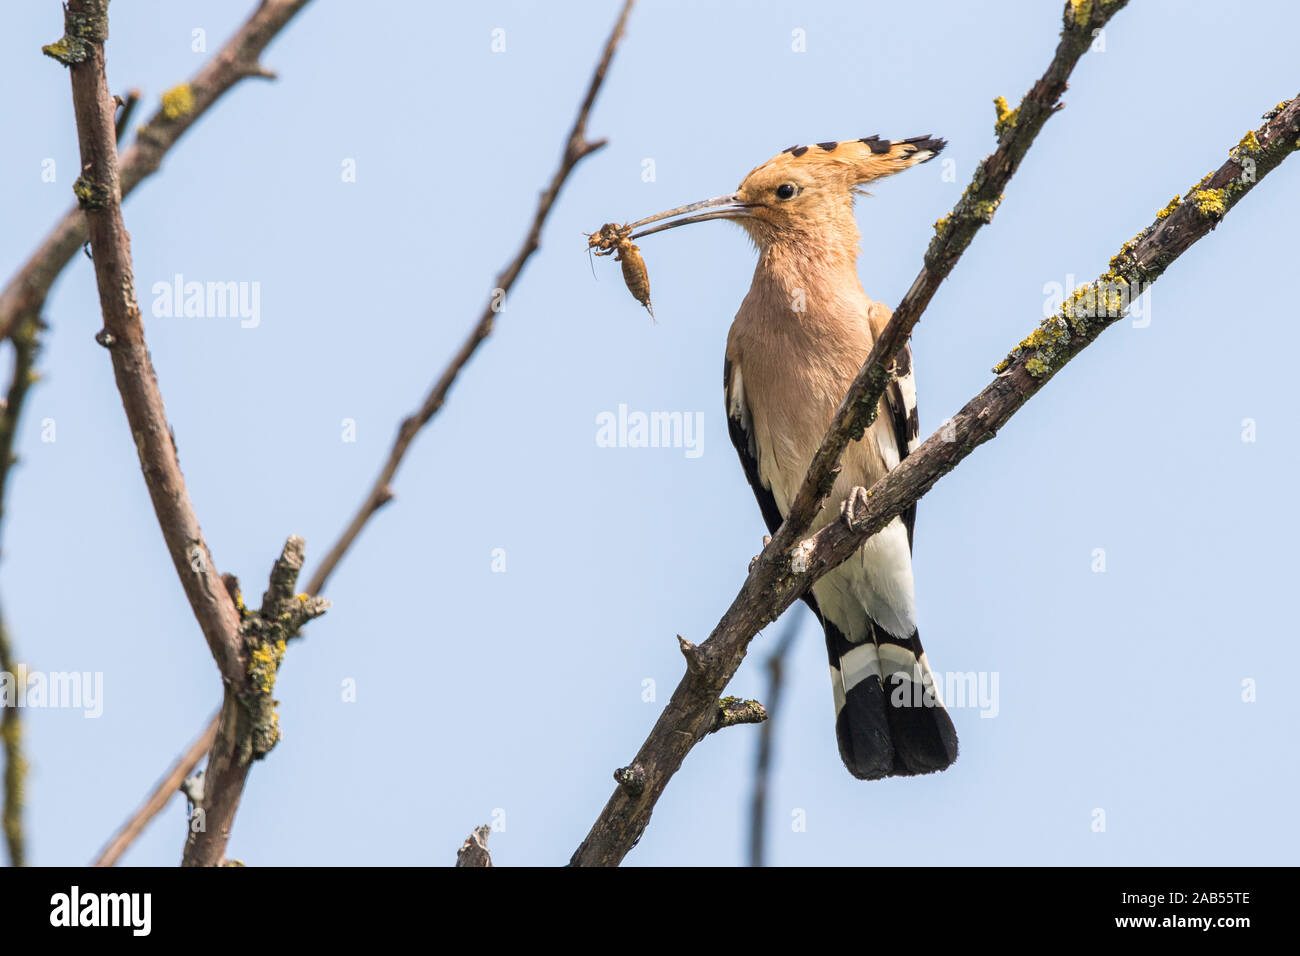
[(15, 772), (24, 296), (167, 787), (248, 725), (736, 710), (1088, 312), (577, 147), (1016, 131), (777, 580), (26, 346)]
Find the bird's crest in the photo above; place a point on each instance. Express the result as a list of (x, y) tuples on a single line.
[(854, 162)]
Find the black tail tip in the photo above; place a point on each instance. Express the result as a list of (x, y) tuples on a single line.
[(934, 144), (884, 733)]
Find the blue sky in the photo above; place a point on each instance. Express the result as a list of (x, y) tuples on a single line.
[(511, 696)]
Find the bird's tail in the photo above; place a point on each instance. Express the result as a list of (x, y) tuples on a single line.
[(889, 717)]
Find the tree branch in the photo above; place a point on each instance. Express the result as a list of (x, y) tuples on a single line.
[(247, 647), (15, 775), (167, 787), (1016, 132), (25, 294), (474, 851), (126, 109), (778, 579), (26, 345), (577, 147), (766, 739), (98, 192), (248, 725)]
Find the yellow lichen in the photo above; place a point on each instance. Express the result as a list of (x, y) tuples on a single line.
[(1082, 11), (1173, 204), (1209, 202), (178, 101), (1036, 367), (1006, 116), (264, 663), (1248, 144)]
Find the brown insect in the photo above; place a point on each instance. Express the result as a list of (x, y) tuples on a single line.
[(613, 238)]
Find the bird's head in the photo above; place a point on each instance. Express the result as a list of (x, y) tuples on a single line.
[(804, 193)]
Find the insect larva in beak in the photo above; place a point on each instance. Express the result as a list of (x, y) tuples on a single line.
[(635, 276), (612, 238)]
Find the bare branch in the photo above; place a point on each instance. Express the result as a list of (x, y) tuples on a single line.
[(167, 787), (474, 851), (766, 741), (25, 294), (126, 107), (247, 647), (123, 335), (577, 147), (776, 581)]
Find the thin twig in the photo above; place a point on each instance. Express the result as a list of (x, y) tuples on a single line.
[(26, 292), (577, 147), (776, 664), (167, 787), (126, 109)]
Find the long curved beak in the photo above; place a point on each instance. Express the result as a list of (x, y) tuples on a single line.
[(721, 207)]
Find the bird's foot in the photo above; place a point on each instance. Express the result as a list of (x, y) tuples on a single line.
[(857, 499), (767, 539)]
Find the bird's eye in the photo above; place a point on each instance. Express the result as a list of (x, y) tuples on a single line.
[(785, 191)]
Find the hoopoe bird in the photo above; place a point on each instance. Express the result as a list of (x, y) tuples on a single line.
[(799, 339)]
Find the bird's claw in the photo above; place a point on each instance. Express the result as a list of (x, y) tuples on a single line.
[(767, 539), (857, 496)]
